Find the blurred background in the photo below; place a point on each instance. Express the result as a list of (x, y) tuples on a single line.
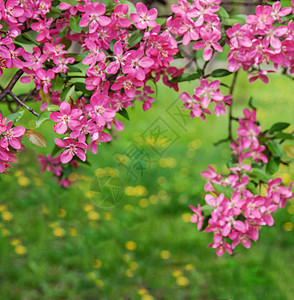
[(122, 230)]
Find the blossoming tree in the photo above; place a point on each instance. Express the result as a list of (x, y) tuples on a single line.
[(124, 48)]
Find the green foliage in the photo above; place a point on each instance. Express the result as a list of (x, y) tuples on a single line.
[(135, 38), (185, 77)]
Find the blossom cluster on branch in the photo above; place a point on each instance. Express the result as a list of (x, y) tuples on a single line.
[(89, 61), (236, 209)]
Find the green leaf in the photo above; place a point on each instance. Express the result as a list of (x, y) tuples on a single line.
[(71, 94), (64, 93), (220, 73), (63, 32), (258, 174), (275, 148), (72, 2), (111, 45), (53, 107), (82, 55), (23, 40), (15, 116), (284, 136), (74, 23), (233, 21), (273, 165), (200, 72), (124, 113), (73, 69), (57, 84), (279, 127), (251, 187), (135, 38), (45, 97), (44, 116), (223, 13), (185, 77), (205, 222), (220, 189), (161, 21), (80, 86)]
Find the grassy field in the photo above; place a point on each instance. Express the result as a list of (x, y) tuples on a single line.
[(122, 230)]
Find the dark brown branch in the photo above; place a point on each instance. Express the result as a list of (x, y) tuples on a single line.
[(25, 99), (11, 84), (23, 104)]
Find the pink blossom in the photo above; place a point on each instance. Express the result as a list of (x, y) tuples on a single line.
[(94, 14), (136, 65), (128, 83), (45, 77), (209, 41), (66, 116), (144, 18), (12, 136), (197, 216), (43, 29), (72, 148)]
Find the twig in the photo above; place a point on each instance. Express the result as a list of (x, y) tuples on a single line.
[(25, 99), (11, 84), (221, 141), (23, 104)]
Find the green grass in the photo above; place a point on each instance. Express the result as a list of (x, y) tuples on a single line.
[(63, 241)]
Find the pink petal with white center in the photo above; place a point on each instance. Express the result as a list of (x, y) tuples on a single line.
[(227, 229), (60, 143), (14, 143), (18, 131), (60, 128), (207, 53), (104, 21), (240, 226), (251, 19), (152, 14), (75, 113), (198, 45), (141, 9), (146, 62), (64, 108), (84, 21), (81, 154), (55, 116), (66, 156), (104, 137), (135, 18)]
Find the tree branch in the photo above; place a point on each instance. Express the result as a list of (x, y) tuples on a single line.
[(25, 99), (11, 84), (23, 104)]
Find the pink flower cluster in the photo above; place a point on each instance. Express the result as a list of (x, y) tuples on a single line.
[(116, 72), (266, 37), (237, 211), (83, 120), (204, 95), (197, 21), (54, 165), (10, 143)]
